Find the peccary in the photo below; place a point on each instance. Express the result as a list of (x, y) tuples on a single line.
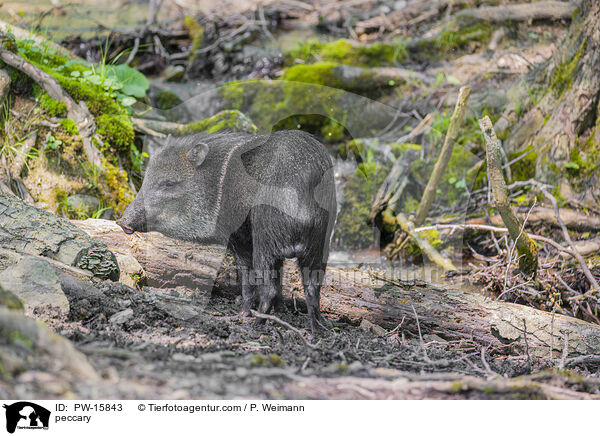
[(267, 197)]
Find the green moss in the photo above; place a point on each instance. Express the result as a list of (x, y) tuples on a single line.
[(341, 368), (10, 300), (19, 339), (196, 32), (347, 52), (575, 14), (354, 148), (431, 236), (68, 126), (279, 105), (275, 360), (523, 169), (258, 360), (119, 194), (97, 100), (562, 76), (458, 386), (583, 163), (222, 121), (457, 36), (399, 149), (320, 73), (352, 227), (53, 108), (166, 99), (117, 130)]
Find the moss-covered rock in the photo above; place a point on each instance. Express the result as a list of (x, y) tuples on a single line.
[(225, 120), (10, 300), (166, 99)]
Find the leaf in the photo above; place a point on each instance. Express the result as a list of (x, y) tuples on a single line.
[(75, 73), (572, 165), (460, 184), (128, 101), (452, 180), (134, 82)]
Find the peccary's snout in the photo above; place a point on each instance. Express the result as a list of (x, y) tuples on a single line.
[(134, 217)]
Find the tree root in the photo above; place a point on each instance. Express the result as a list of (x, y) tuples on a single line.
[(79, 113)]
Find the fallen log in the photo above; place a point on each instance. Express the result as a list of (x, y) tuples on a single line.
[(166, 262), (25, 229), (573, 219), (355, 296), (542, 10), (452, 314)]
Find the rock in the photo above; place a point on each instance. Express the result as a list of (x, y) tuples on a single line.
[(173, 73), (121, 317), (26, 344), (86, 204), (400, 4), (368, 326), (132, 272), (36, 283)]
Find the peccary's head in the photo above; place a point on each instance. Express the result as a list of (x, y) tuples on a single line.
[(176, 197)]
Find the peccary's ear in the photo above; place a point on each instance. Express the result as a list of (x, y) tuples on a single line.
[(198, 153)]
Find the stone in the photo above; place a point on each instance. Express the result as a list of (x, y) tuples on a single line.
[(86, 204), (132, 273), (173, 73), (121, 317), (36, 283), (368, 326)]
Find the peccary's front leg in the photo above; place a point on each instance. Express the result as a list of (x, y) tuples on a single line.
[(269, 285), (313, 272)]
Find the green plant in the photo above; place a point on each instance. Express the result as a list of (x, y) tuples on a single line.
[(53, 143)]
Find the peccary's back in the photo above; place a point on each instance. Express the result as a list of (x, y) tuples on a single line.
[(288, 158)]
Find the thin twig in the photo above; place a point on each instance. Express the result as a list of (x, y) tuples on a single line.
[(577, 255), (284, 324)]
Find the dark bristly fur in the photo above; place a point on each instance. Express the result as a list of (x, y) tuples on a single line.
[(267, 197)]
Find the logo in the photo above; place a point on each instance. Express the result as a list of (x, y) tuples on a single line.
[(26, 415)]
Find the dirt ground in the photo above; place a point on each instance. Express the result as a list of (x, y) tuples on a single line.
[(164, 344)]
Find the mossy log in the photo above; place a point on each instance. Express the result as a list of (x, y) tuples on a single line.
[(542, 10), (356, 296), (25, 229)]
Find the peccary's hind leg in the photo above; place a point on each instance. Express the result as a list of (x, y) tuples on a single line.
[(312, 270)]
